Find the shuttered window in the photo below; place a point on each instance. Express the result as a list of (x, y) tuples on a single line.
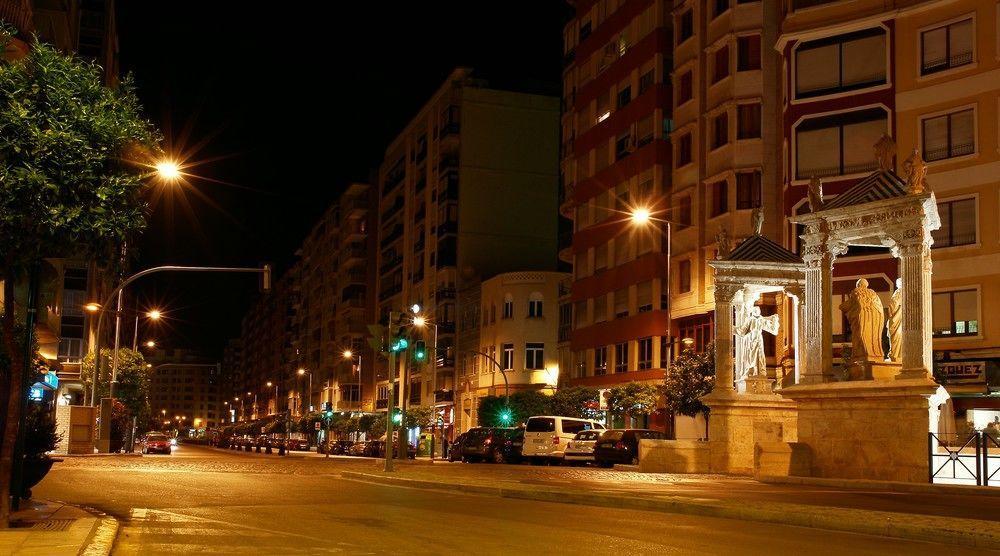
[(949, 136)]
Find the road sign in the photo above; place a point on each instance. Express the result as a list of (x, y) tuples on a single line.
[(602, 396), (317, 425)]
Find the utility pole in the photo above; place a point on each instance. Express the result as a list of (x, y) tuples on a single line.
[(390, 401)]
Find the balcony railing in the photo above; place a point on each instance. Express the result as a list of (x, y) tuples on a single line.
[(444, 293), (450, 128), (390, 264), (447, 228), (447, 163)]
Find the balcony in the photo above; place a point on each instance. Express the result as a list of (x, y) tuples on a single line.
[(447, 163), (448, 129), (393, 235), (394, 209), (357, 276), (389, 291), (448, 186), (444, 396), (351, 205), (353, 251), (444, 293), (447, 228)]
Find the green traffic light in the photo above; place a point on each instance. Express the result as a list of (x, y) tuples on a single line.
[(397, 418), (506, 416)]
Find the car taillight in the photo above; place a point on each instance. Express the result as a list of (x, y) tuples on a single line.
[(620, 446), (555, 440), (487, 442)]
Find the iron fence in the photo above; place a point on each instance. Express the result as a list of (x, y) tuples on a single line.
[(972, 458)]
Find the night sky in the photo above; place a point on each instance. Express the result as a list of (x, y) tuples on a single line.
[(281, 108)]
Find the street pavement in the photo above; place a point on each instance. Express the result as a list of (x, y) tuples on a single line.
[(201, 500)]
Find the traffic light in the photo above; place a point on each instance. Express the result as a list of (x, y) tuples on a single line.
[(399, 344), (328, 410), (506, 416), (397, 416), (420, 351)]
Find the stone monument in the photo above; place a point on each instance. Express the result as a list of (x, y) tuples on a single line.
[(894, 321), (865, 313)]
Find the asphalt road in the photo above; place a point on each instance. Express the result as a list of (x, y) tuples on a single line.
[(199, 500)]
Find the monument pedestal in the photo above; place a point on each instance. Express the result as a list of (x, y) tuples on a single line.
[(871, 429), (738, 421), (755, 385), (873, 368)]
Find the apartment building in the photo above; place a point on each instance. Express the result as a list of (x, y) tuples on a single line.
[(185, 391), (616, 158), (516, 327), (294, 338), (928, 74), (467, 190)]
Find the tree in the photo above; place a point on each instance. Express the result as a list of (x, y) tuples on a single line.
[(419, 416), (691, 376), (494, 411), (134, 377), (633, 399), (576, 401), (71, 172)]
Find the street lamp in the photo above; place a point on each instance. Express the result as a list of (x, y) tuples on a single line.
[(153, 315), (151, 344), (302, 372), (421, 322), (168, 170), (270, 384), (641, 216)]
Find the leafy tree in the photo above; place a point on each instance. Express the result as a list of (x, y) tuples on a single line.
[(372, 424), (71, 174), (691, 376), (134, 377), (576, 401), (523, 404), (633, 399), (420, 416)]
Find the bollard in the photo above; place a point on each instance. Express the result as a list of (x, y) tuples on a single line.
[(281, 449), (258, 448), (267, 449)]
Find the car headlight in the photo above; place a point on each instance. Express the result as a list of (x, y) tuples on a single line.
[(173, 441)]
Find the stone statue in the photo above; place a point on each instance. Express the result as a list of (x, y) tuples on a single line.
[(757, 217), (864, 311), (724, 243), (916, 172), (895, 320), (815, 194), (885, 149), (753, 362)]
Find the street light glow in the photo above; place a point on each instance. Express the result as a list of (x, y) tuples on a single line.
[(348, 354), (415, 308), (168, 170), (154, 314), (419, 321), (269, 384), (640, 215), (92, 307), (302, 372), (151, 343)]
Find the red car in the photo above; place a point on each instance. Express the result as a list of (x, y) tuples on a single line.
[(155, 442)]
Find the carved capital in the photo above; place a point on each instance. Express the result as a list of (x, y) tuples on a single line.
[(724, 292)]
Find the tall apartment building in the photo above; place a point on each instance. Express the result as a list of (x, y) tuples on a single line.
[(513, 319), (232, 372), (467, 190), (317, 310), (185, 390), (928, 74), (616, 157)]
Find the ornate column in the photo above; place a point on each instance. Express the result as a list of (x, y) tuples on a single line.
[(797, 330), (915, 269), (724, 337), (818, 321)]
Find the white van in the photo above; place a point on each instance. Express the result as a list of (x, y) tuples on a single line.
[(545, 436)]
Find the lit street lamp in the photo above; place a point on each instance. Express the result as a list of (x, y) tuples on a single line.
[(641, 216), (302, 372)]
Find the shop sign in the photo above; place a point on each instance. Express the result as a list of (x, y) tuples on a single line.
[(953, 372)]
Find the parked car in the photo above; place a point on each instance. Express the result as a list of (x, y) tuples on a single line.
[(622, 446), (335, 447), (493, 444), (456, 447), (545, 436), (299, 444), (357, 449), (580, 450), (155, 442)]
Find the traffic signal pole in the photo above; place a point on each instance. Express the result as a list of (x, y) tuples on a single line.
[(391, 401)]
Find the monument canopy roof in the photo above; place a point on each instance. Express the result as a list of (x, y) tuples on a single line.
[(759, 249), (880, 185)]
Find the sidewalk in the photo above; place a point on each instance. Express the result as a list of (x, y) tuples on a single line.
[(946, 517), (45, 528)]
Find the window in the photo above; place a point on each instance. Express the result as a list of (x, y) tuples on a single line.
[(720, 130), (684, 212), (949, 136), (644, 296), (720, 197), (535, 308), (720, 7), (600, 308), (646, 81), (958, 223), (685, 90), (684, 276), (621, 357), (838, 144), (748, 121), (601, 360), (623, 145), (748, 190), (603, 111), (534, 355), (720, 70), (645, 353), (956, 313), (946, 47), (748, 53), (621, 303), (624, 97), (600, 258), (684, 150), (644, 130), (685, 27), (507, 360), (580, 313), (508, 308), (841, 63)]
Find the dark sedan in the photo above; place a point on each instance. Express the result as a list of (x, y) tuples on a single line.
[(622, 446)]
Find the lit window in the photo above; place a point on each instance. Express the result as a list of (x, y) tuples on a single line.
[(949, 136), (534, 355), (958, 223), (956, 313), (839, 144), (621, 357), (601, 360), (841, 63)]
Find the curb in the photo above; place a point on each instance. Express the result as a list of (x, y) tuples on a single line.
[(102, 537), (892, 486), (115, 455), (964, 532)]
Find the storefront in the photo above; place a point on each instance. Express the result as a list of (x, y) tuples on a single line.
[(974, 385)]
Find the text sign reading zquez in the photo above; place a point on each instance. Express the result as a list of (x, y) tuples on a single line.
[(963, 371)]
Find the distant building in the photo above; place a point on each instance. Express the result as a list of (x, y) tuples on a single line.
[(185, 391), (515, 319), (467, 190)]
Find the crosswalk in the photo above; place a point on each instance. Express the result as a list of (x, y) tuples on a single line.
[(151, 531)]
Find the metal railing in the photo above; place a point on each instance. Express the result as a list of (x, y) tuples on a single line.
[(972, 458)]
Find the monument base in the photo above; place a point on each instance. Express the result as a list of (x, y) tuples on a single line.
[(755, 385), (738, 422), (871, 429), (885, 370)]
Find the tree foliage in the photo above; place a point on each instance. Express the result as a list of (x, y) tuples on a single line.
[(134, 377), (420, 416), (576, 401), (523, 404), (633, 398), (72, 155), (691, 376)]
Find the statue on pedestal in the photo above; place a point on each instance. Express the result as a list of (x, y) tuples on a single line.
[(815, 194), (885, 149), (753, 363), (895, 320), (865, 313), (725, 245), (757, 218), (916, 172)]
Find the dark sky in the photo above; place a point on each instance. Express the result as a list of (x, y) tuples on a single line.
[(286, 106)]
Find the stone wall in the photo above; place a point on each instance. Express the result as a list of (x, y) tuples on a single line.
[(738, 422), (673, 456), (62, 428), (873, 430)]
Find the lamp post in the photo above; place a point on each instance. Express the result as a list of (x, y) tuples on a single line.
[(305, 372), (153, 315), (349, 355), (642, 216), (421, 322)]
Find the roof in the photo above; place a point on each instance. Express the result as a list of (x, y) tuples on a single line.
[(759, 249), (878, 186)]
